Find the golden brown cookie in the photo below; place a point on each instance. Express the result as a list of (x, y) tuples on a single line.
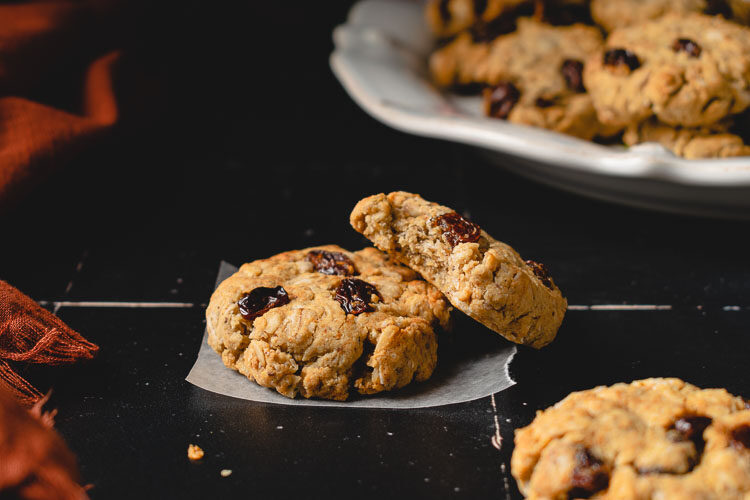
[(651, 439), (490, 18), (449, 17), (698, 142), (533, 76), (613, 14), (686, 70), (536, 78), (484, 278), (322, 321)]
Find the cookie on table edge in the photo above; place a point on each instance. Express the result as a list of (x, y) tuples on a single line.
[(322, 321), (484, 278), (653, 438)]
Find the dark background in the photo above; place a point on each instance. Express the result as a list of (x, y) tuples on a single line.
[(256, 149)]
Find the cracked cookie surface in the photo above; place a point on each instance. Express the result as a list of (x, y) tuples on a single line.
[(688, 70), (483, 277), (323, 321), (653, 438)]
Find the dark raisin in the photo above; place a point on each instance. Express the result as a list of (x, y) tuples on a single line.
[(562, 14), (617, 57), (261, 300), (472, 88), (719, 8), (456, 229), (541, 272), (539, 9), (589, 475), (360, 368), (572, 71), (483, 32), (444, 41), (500, 99), (445, 13), (326, 262), (690, 428), (741, 437), (479, 7), (354, 295), (687, 45), (541, 102)]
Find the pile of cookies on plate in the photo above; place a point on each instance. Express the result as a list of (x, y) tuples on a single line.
[(676, 72), (323, 321)]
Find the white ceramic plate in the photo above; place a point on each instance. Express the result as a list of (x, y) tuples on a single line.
[(380, 58)]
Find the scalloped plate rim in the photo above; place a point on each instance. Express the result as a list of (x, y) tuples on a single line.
[(634, 163)]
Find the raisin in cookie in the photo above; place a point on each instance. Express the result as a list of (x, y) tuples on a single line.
[(536, 78), (484, 278), (321, 321), (651, 439), (489, 18), (687, 70), (464, 59), (449, 17), (698, 142), (534, 75)]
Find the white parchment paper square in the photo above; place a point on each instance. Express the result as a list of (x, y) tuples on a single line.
[(472, 363)]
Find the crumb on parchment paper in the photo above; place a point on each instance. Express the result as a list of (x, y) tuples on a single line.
[(194, 452)]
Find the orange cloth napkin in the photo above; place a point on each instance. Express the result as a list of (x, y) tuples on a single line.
[(31, 334), (35, 464), (36, 40)]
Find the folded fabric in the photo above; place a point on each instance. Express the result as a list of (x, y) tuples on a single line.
[(36, 464), (31, 334), (35, 40)]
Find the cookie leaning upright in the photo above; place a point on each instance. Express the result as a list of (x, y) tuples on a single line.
[(322, 321), (654, 438), (688, 70), (484, 278)]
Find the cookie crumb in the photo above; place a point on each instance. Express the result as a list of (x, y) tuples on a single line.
[(226, 472), (194, 452)]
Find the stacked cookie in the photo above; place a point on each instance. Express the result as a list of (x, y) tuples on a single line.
[(675, 72), (324, 321)]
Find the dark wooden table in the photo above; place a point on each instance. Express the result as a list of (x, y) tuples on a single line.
[(261, 151)]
